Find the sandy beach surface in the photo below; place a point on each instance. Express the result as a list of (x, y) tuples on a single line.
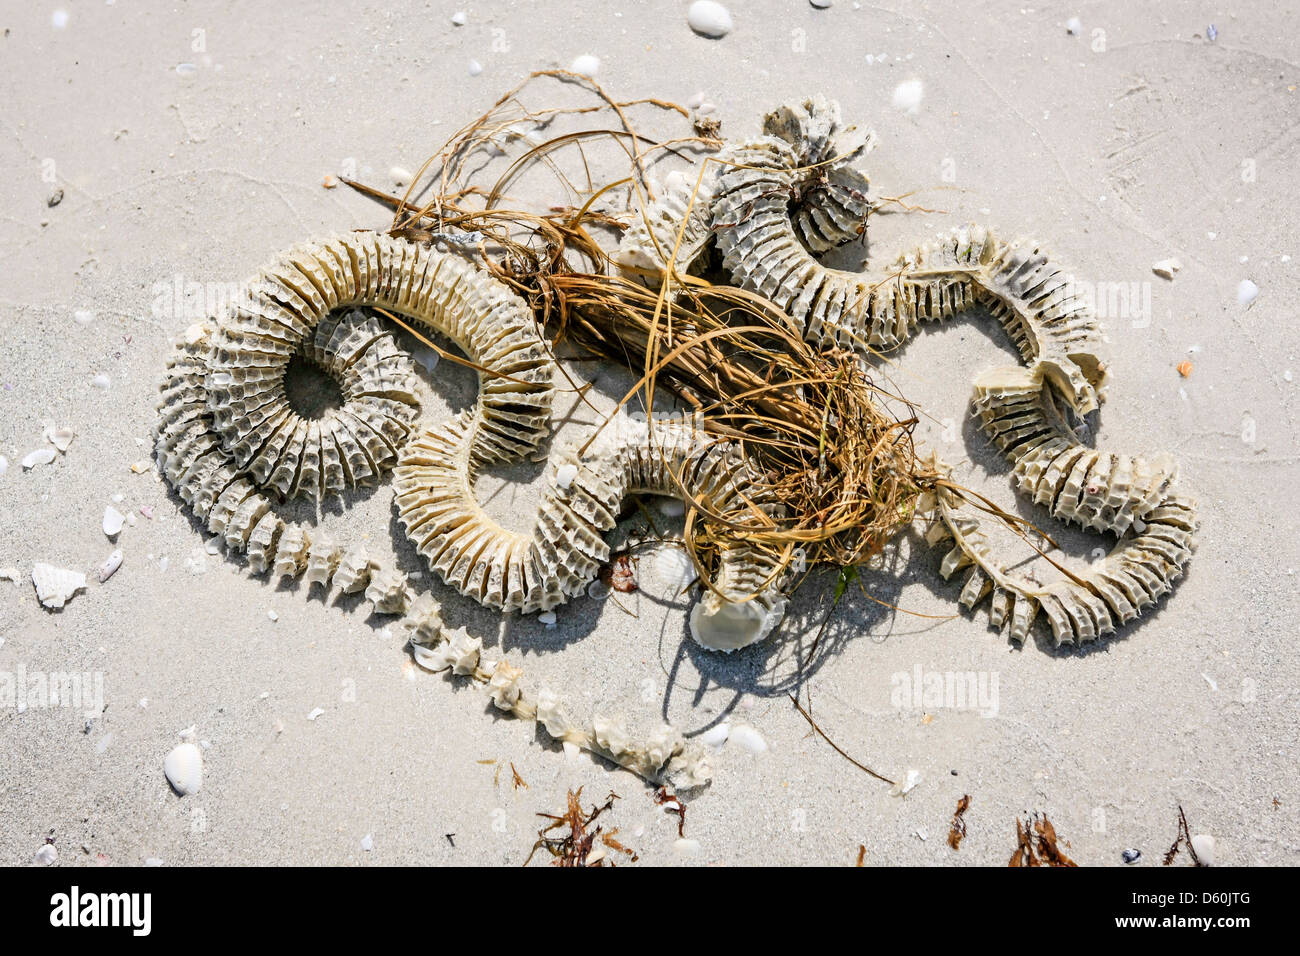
[(150, 144)]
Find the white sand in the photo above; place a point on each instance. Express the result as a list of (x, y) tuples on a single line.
[(1117, 157)]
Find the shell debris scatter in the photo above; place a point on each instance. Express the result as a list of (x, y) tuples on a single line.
[(55, 587)]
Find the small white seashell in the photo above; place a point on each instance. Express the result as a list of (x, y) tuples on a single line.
[(674, 568), (547, 618), (709, 19), (183, 767), (60, 438), (685, 847), (586, 64), (46, 855), (1073, 26), (459, 18), (425, 357), (367, 843), (153, 861), (747, 738), (1166, 268), (110, 566), (731, 626), (400, 175), (672, 507), (272, 615), (83, 316), (316, 712), (475, 67), (1246, 292), (716, 735), (906, 787), (56, 586), (907, 96), (821, 4), (113, 521), (564, 476), (101, 381), (41, 456), (598, 590), (1203, 845)]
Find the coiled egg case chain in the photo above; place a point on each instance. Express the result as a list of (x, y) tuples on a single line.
[(1136, 499)]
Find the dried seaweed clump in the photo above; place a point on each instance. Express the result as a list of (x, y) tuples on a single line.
[(1036, 844), (572, 838)]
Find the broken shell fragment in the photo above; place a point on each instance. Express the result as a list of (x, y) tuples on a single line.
[(110, 566), (56, 586), (41, 456), (113, 521), (60, 438), (1167, 268)]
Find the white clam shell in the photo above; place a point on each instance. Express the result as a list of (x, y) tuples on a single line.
[(1203, 844), (56, 586), (709, 18), (586, 65), (672, 572), (908, 94), (715, 736), (747, 738), (184, 768), (113, 521), (46, 855)]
